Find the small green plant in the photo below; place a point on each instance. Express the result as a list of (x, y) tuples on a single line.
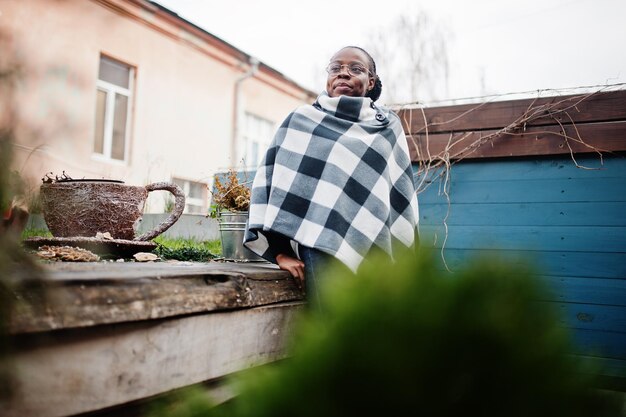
[(214, 211), (28, 233), (187, 249), (169, 205), (34, 203)]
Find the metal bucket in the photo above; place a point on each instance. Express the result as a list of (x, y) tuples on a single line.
[(232, 229)]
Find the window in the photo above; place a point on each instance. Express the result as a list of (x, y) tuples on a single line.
[(113, 99), (195, 195), (258, 134)]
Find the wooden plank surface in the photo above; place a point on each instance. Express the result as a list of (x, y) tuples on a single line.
[(542, 140), (602, 106), (606, 366), (531, 181), (600, 343), (75, 371), (522, 191), (90, 294), (568, 221), (122, 271), (611, 265), (594, 317), (559, 167), (519, 214), (586, 290), (539, 238)]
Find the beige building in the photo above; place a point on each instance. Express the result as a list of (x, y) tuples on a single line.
[(126, 89)]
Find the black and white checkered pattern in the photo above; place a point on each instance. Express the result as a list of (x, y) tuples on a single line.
[(338, 178)]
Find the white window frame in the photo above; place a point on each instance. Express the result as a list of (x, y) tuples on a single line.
[(111, 91), (203, 203), (250, 138)]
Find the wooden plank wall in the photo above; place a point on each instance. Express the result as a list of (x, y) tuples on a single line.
[(523, 197), (543, 126), (90, 336), (71, 372)]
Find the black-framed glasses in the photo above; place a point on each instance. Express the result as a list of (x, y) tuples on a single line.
[(355, 70)]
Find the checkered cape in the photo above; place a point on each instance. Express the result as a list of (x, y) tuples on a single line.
[(337, 177)]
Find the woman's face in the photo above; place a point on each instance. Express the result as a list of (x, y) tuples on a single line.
[(344, 83)]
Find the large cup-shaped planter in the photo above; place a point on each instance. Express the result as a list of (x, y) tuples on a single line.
[(82, 208), (232, 229)]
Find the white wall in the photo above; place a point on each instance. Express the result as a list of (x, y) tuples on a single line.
[(182, 117)]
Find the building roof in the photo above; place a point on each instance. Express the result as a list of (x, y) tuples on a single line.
[(241, 56)]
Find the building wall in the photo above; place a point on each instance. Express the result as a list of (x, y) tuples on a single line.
[(254, 100), (182, 115)]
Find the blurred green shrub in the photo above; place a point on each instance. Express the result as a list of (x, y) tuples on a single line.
[(16, 268), (406, 338)]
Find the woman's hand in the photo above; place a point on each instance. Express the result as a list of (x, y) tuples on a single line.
[(292, 265)]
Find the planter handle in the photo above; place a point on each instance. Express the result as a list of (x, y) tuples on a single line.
[(179, 206)]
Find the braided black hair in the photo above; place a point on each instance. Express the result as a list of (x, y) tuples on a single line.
[(375, 92)]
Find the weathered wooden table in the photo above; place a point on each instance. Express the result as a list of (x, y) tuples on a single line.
[(109, 333)]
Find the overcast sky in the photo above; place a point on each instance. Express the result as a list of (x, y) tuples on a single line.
[(496, 46)]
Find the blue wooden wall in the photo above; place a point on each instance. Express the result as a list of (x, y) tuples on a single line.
[(570, 221)]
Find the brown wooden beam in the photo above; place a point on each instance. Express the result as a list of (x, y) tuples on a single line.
[(581, 108), (83, 370), (85, 295), (538, 140)]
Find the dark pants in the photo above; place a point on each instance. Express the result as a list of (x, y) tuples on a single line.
[(316, 263)]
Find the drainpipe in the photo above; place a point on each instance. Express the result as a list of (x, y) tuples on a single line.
[(254, 67)]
